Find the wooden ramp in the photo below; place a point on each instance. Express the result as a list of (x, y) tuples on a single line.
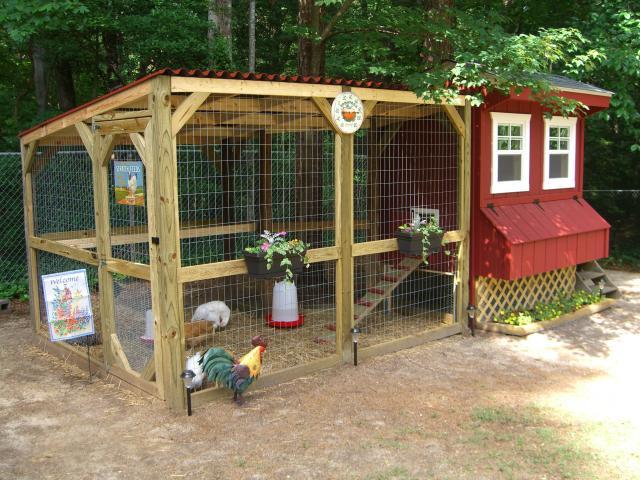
[(378, 293), (384, 288)]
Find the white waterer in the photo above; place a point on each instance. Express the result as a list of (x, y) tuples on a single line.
[(284, 313)]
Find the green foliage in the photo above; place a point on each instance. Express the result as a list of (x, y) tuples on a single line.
[(15, 290), (427, 228), (548, 311)]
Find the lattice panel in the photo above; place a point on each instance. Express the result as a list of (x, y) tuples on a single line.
[(495, 294)]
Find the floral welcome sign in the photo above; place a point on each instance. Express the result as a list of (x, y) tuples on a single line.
[(68, 301)]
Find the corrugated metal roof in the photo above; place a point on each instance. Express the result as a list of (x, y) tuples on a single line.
[(266, 77), (524, 223), (272, 77)]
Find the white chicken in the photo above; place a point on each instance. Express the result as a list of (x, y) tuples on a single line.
[(215, 312), (194, 364), (132, 184)]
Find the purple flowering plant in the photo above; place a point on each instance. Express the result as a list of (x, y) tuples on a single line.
[(272, 243)]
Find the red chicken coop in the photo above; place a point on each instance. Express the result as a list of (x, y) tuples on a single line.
[(157, 190)]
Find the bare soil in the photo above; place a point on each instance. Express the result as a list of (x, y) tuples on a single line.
[(557, 404)]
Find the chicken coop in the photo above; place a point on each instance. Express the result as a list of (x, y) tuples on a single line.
[(223, 158)]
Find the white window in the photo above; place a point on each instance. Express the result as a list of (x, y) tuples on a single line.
[(510, 157), (559, 153)]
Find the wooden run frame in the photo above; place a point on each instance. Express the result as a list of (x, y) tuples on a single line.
[(154, 131)]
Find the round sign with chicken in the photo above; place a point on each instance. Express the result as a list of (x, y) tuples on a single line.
[(347, 112)]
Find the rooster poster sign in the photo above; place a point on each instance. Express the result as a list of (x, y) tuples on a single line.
[(69, 312), (129, 183)]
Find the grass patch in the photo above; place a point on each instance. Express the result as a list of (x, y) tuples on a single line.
[(519, 440), (394, 473)]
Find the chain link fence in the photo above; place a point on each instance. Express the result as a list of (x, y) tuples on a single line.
[(13, 268)]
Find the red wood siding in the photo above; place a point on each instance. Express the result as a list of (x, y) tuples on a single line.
[(525, 239), (492, 254)]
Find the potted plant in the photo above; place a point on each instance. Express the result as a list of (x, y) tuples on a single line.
[(420, 237), (274, 256)]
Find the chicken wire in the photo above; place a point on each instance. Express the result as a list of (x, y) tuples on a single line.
[(249, 164), (129, 228), (132, 300), (13, 262), (250, 301), (246, 164), (63, 192)]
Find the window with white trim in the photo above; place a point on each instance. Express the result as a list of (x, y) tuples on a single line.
[(559, 153), (510, 152)]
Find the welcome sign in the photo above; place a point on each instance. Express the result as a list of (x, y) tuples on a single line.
[(68, 302)]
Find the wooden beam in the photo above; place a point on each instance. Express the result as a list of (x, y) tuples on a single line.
[(121, 115), (84, 113), (394, 96), (124, 126), (164, 255), (186, 109), (86, 135), (140, 146), (290, 89), (239, 267), (409, 341), (464, 218), (118, 353), (369, 105), (344, 241), (29, 154), (131, 269), (325, 109), (391, 244), (455, 118), (252, 87), (149, 371), (63, 250)]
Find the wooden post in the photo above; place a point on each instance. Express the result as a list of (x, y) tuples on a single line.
[(344, 241), (28, 157), (164, 247), (100, 148), (464, 213)]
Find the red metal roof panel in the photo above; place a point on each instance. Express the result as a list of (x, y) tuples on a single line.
[(265, 77), (530, 222)]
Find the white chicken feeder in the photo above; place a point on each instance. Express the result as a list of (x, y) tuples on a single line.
[(284, 313), (148, 328)]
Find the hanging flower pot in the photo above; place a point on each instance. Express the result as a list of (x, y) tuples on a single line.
[(276, 257), (420, 238)]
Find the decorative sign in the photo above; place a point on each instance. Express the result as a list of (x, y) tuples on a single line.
[(129, 183), (68, 301), (347, 112)]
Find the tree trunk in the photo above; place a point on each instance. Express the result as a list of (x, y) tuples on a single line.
[(111, 41), (64, 81), (437, 50), (38, 59), (220, 15), (252, 35), (310, 53)]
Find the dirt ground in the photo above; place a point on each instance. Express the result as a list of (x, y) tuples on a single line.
[(558, 404)]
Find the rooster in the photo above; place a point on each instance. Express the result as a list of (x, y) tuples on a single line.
[(224, 370)]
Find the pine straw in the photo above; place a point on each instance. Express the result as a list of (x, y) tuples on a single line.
[(110, 386), (314, 340)]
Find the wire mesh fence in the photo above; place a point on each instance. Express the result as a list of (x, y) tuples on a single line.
[(12, 245)]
